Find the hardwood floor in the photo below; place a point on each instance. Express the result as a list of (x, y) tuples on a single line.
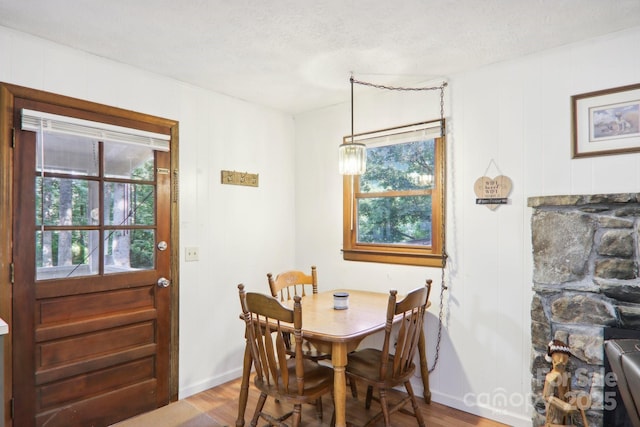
[(221, 404)]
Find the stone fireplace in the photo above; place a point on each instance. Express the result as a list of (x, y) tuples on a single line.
[(586, 256)]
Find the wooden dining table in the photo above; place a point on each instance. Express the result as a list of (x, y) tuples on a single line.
[(338, 332)]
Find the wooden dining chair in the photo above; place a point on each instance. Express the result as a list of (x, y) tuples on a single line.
[(285, 286), (381, 370), (294, 282), (290, 379), (290, 283)]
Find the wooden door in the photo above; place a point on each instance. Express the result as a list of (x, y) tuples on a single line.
[(91, 313)]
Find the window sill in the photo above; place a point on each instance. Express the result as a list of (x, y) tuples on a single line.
[(404, 258)]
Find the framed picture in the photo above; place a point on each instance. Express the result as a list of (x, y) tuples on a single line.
[(606, 122)]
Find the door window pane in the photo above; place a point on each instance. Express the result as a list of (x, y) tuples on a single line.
[(64, 201), (127, 250), (67, 198), (67, 154), (128, 161), (66, 253), (395, 220), (129, 204)]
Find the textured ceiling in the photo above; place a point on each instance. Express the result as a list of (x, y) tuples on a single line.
[(297, 55)]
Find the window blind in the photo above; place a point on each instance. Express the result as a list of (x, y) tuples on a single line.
[(413, 133), (38, 120)]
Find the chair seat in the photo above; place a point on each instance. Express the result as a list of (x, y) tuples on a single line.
[(309, 351), (365, 364), (318, 380)]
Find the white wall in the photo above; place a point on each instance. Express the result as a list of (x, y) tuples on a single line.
[(235, 227), (517, 114)]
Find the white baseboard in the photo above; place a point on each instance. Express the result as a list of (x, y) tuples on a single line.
[(501, 415), (192, 389)]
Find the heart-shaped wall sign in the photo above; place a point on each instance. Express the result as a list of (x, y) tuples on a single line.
[(492, 188)]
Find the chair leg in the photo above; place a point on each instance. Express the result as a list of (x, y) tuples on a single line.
[(259, 406), (414, 403), (244, 386), (367, 402), (385, 408), (297, 414), (319, 408), (354, 389)]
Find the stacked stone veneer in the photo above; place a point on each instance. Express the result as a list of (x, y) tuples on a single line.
[(586, 255)]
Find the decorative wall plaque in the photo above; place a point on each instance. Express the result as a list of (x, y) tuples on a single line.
[(492, 192)]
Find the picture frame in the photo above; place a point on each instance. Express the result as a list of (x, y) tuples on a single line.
[(606, 122)]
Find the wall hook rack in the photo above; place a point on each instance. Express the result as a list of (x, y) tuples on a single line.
[(239, 178)]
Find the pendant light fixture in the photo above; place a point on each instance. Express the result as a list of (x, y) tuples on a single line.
[(353, 161), (352, 156)]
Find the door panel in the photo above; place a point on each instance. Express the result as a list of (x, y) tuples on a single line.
[(98, 410), (91, 327)]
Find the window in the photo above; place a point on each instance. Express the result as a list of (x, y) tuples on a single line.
[(95, 196), (394, 212)]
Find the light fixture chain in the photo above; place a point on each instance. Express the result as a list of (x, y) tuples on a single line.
[(352, 81), (443, 286), (379, 86)]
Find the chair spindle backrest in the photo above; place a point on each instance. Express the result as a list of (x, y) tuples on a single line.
[(264, 316), (290, 283), (412, 309)]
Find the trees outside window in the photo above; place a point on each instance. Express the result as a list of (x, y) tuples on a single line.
[(393, 212), (71, 231)]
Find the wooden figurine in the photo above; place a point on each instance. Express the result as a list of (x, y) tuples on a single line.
[(561, 403)]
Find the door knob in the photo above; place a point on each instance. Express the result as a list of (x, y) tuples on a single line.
[(163, 282)]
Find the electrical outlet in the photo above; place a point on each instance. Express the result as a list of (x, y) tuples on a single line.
[(192, 253)]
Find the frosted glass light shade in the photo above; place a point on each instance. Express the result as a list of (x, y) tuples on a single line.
[(352, 159)]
